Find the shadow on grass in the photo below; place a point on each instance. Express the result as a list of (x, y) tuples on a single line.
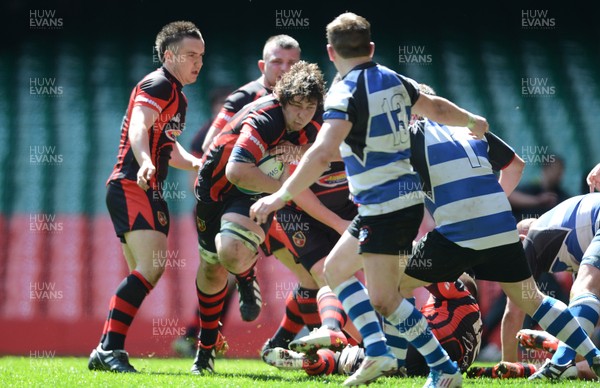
[(292, 378)]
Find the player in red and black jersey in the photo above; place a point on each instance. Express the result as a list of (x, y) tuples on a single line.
[(280, 52), (451, 312), (454, 317), (306, 232), (155, 117), (257, 128), (309, 228), (228, 238)]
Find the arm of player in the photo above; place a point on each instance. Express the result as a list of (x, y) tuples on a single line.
[(512, 321), (445, 112), (593, 178), (182, 159), (142, 118), (218, 123), (312, 165), (210, 135), (511, 175), (311, 205), (249, 176)]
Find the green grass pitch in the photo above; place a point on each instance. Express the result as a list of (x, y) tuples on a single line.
[(174, 372)]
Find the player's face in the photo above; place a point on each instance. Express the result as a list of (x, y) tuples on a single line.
[(278, 62), (298, 113), (186, 60)]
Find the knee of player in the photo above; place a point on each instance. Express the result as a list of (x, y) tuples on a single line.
[(317, 273), (383, 304), (234, 254), (329, 274), (588, 278), (236, 245)]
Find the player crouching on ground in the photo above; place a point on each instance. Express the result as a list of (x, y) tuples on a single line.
[(452, 313)]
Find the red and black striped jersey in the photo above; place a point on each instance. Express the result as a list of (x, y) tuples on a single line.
[(255, 129), (452, 311), (332, 190), (246, 94), (159, 91)]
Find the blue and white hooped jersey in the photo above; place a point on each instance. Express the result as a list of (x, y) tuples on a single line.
[(557, 241), (377, 101), (462, 192)]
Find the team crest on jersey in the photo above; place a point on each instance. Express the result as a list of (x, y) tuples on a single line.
[(162, 218), (299, 239), (363, 235), (333, 180), (200, 224), (173, 133)]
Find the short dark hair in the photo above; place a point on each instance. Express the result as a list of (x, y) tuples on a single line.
[(350, 35), (282, 41), (172, 34), (303, 79)]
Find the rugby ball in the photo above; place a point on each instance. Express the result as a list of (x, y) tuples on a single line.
[(270, 166)]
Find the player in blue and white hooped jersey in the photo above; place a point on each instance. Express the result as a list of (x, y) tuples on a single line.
[(565, 238), (366, 122), (462, 191), (376, 152), (475, 228)]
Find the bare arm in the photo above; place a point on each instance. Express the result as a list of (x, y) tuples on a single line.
[(313, 164), (311, 204), (182, 159), (218, 123), (445, 112), (142, 118), (210, 135), (512, 321), (249, 177), (511, 175)]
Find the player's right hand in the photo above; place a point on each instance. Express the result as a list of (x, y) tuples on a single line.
[(593, 178), (264, 207), (145, 174), (480, 128)]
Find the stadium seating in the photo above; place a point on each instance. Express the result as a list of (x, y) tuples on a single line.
[(79, 129)]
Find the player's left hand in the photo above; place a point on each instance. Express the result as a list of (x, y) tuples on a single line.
[(265, 206)]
